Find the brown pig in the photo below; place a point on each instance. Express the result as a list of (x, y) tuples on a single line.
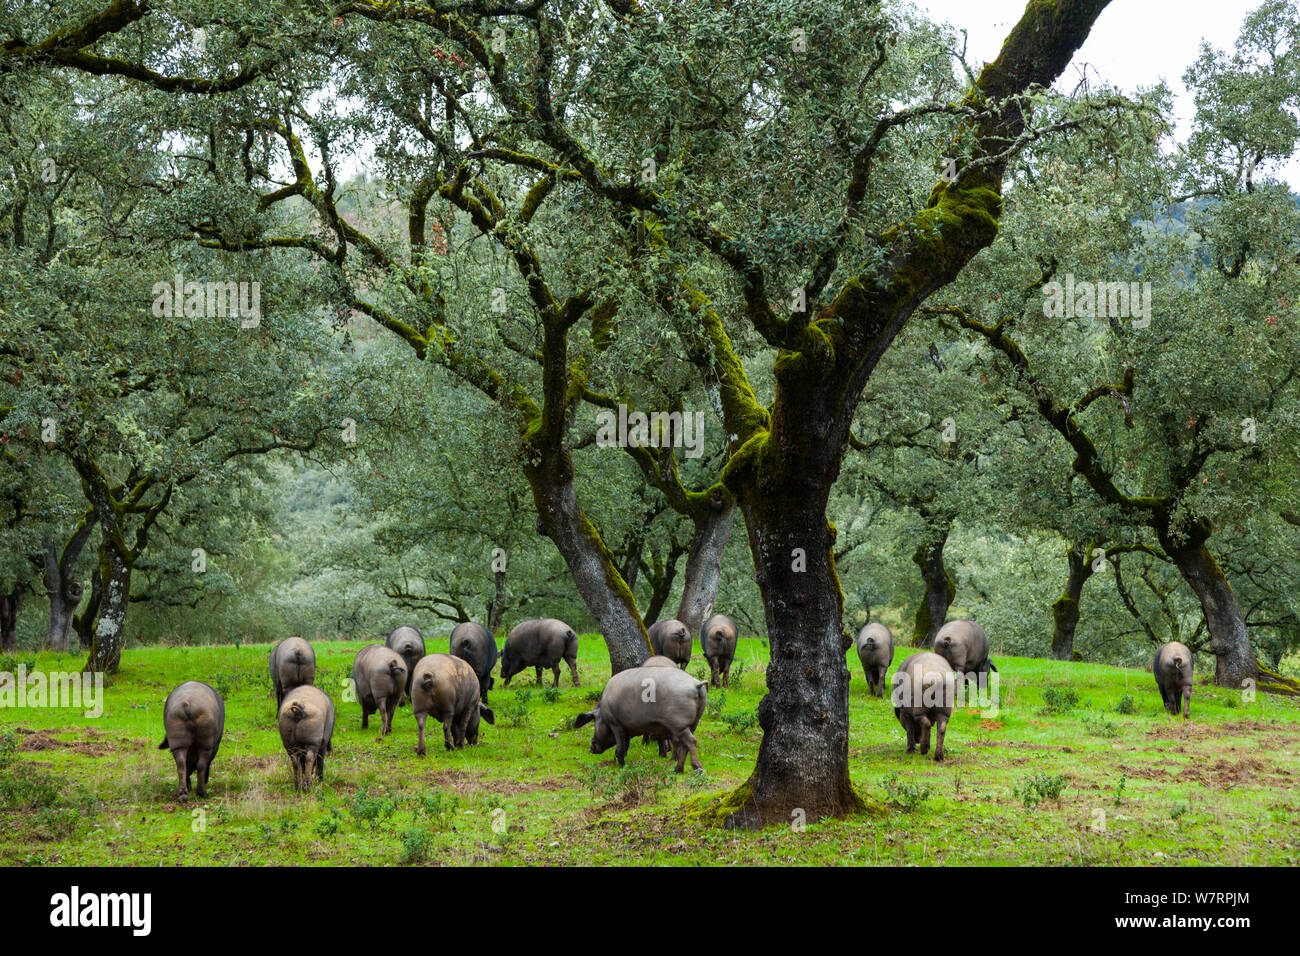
[(293, 663), (540, 644), (965, 646), (408, 642), (446, 688), (663, 704), (306, 722), (875, 646), (194, 718), (475, 644), (924, 694), (1173, 669), (670, 638), (379, 674), (718, 641)]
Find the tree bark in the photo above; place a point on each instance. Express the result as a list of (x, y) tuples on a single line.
[(590, 563), (704, 566), (1235, 660), (64, 599), (802, 768), (63, 591), (497, 608), (84, 623), (635, 548), (1065, 609), (10, 605), (117, 559), (109, 634), (940, 589)]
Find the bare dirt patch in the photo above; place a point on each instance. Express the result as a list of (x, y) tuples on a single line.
[(1226, 774), (467, 784), (36, 741), (1022, 745), (1191, 730)]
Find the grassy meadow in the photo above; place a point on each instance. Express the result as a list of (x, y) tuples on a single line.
[(1079, 766)]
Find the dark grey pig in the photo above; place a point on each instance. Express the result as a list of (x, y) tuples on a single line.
[(446, 689), (408, 642), (1173, 669), (306, 729), (662, 704), (379, 674), (659, 661), (924, 693), (875, 646), (540, 644), (965, 646), (718, 641), (474, 644), (194, 718), (670, 638), (293, 664)]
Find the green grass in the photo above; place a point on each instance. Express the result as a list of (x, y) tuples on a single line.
[(1106, 786)]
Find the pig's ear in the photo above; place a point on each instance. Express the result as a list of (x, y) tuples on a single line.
[(584, 719)]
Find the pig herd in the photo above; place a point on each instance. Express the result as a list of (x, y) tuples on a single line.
[(662, 705), (657, 701)]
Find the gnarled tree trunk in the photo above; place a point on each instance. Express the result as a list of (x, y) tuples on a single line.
[(1065, 609), (84, 623), (10, 605), (590, 563), (704, 566), (1229, 641), (802, 769), (109, 633), (497, 607), (940, 589), (63, 591)]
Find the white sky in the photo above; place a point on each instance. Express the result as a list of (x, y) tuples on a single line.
[(1134, 43)]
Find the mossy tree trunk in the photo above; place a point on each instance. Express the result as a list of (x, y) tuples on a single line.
[(590, 563), (113, 506), (712, 523), (10, 605), (549, 470), (1235, 659), (108, 634), (497, 606), (802, 768), (939, 588), (1065, 609), (84, 623), (63, 590)]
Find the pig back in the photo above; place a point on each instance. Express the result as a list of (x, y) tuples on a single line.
[(194, 715), (642, 699)]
